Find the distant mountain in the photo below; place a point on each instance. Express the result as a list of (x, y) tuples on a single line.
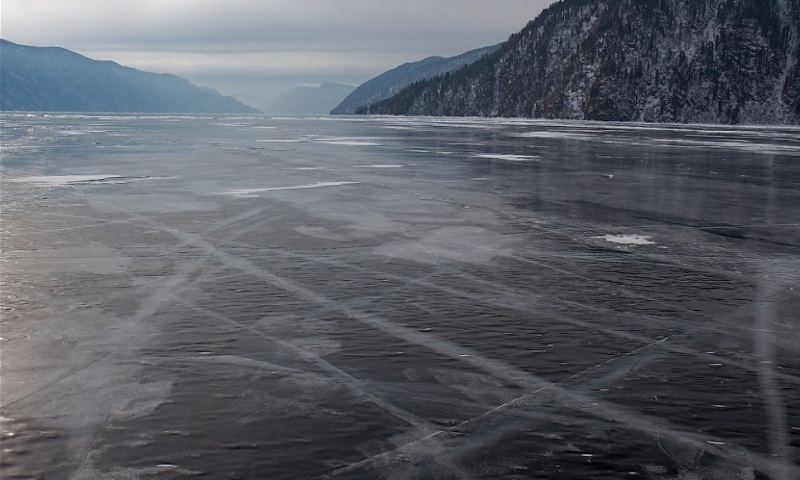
[(389, 83), (309, 100), (698, 61), (56, 79)]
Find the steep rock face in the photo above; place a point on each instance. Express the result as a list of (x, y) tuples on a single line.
[(389, 83), (56, 79), (706, 61)]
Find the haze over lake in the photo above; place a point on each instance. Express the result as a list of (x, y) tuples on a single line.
[(255, 297)]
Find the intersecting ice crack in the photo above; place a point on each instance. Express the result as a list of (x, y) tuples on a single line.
[(527, 400), (525, 302), (530, 382), (664, 330)]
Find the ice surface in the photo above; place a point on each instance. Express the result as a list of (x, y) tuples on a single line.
[(451, 244), (96, 259), (150, 203), (314, 311)]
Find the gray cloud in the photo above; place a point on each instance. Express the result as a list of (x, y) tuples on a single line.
[(265, 41)]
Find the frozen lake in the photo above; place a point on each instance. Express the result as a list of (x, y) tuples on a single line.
[(249, 297)]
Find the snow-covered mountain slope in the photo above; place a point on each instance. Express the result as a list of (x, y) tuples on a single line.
[(698, 61)]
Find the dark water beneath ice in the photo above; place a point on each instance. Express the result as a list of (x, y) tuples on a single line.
[(398, 298)]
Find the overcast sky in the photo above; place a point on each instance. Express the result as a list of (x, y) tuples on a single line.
[(260, 46)]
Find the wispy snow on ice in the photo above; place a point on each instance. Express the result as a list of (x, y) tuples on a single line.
[(75, 180), (509, 158), (382, 166), (628, 239), (64, 180), (249, 193)]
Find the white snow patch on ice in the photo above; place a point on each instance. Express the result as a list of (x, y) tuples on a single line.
[(628, 239), (509, 158)]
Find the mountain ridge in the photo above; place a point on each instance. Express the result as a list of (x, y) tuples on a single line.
[(686, 61), (392, 81), (57, 79), (309, 100)]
